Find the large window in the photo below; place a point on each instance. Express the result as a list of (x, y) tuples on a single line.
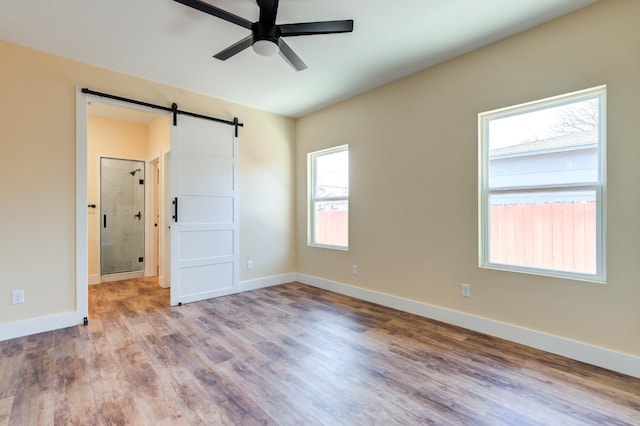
[(329, 198), (542, 186)]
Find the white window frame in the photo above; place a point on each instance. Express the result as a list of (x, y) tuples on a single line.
[(313, 198), (599, 186)]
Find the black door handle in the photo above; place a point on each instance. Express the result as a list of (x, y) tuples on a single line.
[(175, 203), (104, 220), (139, 215)]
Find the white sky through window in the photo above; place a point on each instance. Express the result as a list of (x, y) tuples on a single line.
[(333, 174), (538, 124)]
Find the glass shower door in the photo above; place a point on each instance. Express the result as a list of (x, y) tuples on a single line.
[(122, 216)]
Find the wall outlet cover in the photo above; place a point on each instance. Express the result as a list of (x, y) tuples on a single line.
[(466, 290), (17, 296)]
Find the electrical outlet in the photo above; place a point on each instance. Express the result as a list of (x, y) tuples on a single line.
[(17, 296), (354, 269), (466, 290), (249, 264)]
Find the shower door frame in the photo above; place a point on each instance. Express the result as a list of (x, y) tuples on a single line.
[(130, 274)]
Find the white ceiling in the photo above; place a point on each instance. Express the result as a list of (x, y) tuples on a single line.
[(167, 42)]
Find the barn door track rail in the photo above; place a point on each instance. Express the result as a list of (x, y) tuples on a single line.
[(172, 109)]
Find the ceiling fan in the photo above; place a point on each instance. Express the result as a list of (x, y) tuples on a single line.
[(266, 35)]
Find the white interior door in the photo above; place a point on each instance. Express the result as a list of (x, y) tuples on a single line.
[(204, 231)]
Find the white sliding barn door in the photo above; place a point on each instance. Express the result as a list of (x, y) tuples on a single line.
[(204, 238)]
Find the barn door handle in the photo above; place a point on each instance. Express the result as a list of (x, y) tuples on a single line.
[(175, 209), (104, 220)]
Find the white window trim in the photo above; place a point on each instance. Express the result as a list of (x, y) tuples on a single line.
[(599, 187), (311, 179)]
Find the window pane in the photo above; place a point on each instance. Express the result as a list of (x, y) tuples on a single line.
[(551, 146), (545, 230), (332, 223), (332, 175)]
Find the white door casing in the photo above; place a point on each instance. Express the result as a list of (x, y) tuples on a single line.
[(164, 278), (204, 238)]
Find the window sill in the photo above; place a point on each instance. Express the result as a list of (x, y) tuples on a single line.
[(595, 279), (330, 247)]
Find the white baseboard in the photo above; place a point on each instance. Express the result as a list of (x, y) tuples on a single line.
[(594, 355), (94, 279), (28, 327), (267, 281)]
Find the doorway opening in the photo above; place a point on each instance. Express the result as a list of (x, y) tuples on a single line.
[(199, 241), (125, 151)]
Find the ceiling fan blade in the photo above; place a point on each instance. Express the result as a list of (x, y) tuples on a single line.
[(290, 56), (268, 11), (234, 49), (311, 28), (217, 12)]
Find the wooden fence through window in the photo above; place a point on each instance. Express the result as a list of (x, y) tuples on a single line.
[(559, 236)]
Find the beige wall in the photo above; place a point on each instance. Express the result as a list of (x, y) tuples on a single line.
[(159, 136), (37, 176), (108, 138), (414, 155)]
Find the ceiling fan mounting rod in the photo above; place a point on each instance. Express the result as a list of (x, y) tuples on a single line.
[(268, 11)]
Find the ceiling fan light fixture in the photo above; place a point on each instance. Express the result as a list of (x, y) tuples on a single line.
[(265, 47)]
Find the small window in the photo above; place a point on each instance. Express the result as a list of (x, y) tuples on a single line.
[(329, 198), (542, 186)]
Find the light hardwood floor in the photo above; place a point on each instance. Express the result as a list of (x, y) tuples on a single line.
[(291, 354)]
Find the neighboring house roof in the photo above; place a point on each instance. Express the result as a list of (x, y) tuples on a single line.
[(570, 142)]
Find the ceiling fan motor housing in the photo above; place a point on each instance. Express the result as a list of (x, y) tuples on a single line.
[(265, 32)]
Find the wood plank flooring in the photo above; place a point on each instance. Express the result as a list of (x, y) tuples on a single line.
[(290, 355)]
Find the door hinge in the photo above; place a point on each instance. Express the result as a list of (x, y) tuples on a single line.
[(141, 259), (141, 181)]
